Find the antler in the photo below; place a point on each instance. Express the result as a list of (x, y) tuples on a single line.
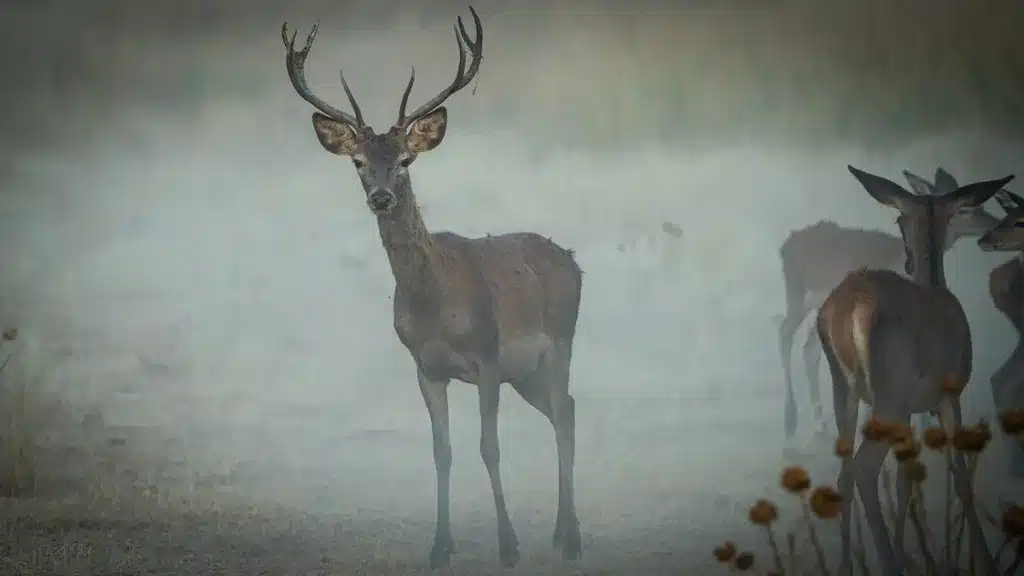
[(296, 64), (462, 77)]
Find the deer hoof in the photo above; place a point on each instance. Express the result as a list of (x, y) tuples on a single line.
[(570, 543), (441, 552), (509, 553)]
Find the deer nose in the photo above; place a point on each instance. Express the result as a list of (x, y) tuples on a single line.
[(381, 199)]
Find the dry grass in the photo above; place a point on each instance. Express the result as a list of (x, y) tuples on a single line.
[(47, 448), (26, 416), (941, 552)]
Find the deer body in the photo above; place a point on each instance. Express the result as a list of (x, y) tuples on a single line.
[(872, 306), (816, 258), (462, 304), (482, 310), (894, 342), (1006, 288)]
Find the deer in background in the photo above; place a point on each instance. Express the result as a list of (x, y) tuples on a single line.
[(482, 310), (817, 257), (894, 343), (1006, 288)]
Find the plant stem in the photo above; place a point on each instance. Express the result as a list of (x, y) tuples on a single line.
[(775, 549), (818, 551), (917, 516), (949, 510), (859, 552), (1007, 540)]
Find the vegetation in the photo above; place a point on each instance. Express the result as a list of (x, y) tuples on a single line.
[(823, 504), (23, 425), (793, 73)]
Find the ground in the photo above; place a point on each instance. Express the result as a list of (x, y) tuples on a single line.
[(660, 482), (656, 491)]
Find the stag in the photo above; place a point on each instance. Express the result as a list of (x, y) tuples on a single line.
[(817, 257), (896, 344), (1006, 288), (481, 310)]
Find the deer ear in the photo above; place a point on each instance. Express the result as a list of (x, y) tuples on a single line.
[(336, 137), (919, 185), (427, 132), (977, 193), (883, 190), (944, 181)]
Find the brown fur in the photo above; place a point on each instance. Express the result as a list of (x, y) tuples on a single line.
[(851, 305), (858, 301), (477, 292), (482, 310), (816, 258)]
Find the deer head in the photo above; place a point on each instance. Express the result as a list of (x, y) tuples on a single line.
[(382, 160), (1008, 235), (924, 220), (970, 221)]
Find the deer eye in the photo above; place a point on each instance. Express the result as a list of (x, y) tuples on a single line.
[(358, 163), (405, 162)]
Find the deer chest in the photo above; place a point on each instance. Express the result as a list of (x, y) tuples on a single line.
[(441, 349), (449, 342)]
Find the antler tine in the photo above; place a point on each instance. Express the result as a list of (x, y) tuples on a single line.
[(405, 98), (351, 100), (462, 76), (295, 62)]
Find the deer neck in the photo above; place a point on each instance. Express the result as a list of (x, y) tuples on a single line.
[(414, 258), (929, 267)]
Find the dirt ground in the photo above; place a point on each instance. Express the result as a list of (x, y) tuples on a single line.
[(655, 493), (645, 500)]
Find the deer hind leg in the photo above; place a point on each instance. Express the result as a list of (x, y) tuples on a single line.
[(846, 406), (903, 496), (554, 371), (867, 465), (535, 391), (812, 367), (435, 395), (951, 417)]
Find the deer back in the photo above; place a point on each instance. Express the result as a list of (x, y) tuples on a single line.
[(820, 256), (535, 285)]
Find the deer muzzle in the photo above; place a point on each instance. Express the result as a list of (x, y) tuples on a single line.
[(381, 200)]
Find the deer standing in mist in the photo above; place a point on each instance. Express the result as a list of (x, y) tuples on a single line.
[(482, 310), (893, 343), (1006, 288), (817, 257)]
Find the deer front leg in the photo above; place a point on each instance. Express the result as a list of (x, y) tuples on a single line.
[(489, 388), (788, 326), (435, 395)]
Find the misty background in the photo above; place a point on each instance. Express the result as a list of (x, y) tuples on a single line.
[(189, 260)]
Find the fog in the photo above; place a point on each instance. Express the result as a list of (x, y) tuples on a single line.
[(197, 270)]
